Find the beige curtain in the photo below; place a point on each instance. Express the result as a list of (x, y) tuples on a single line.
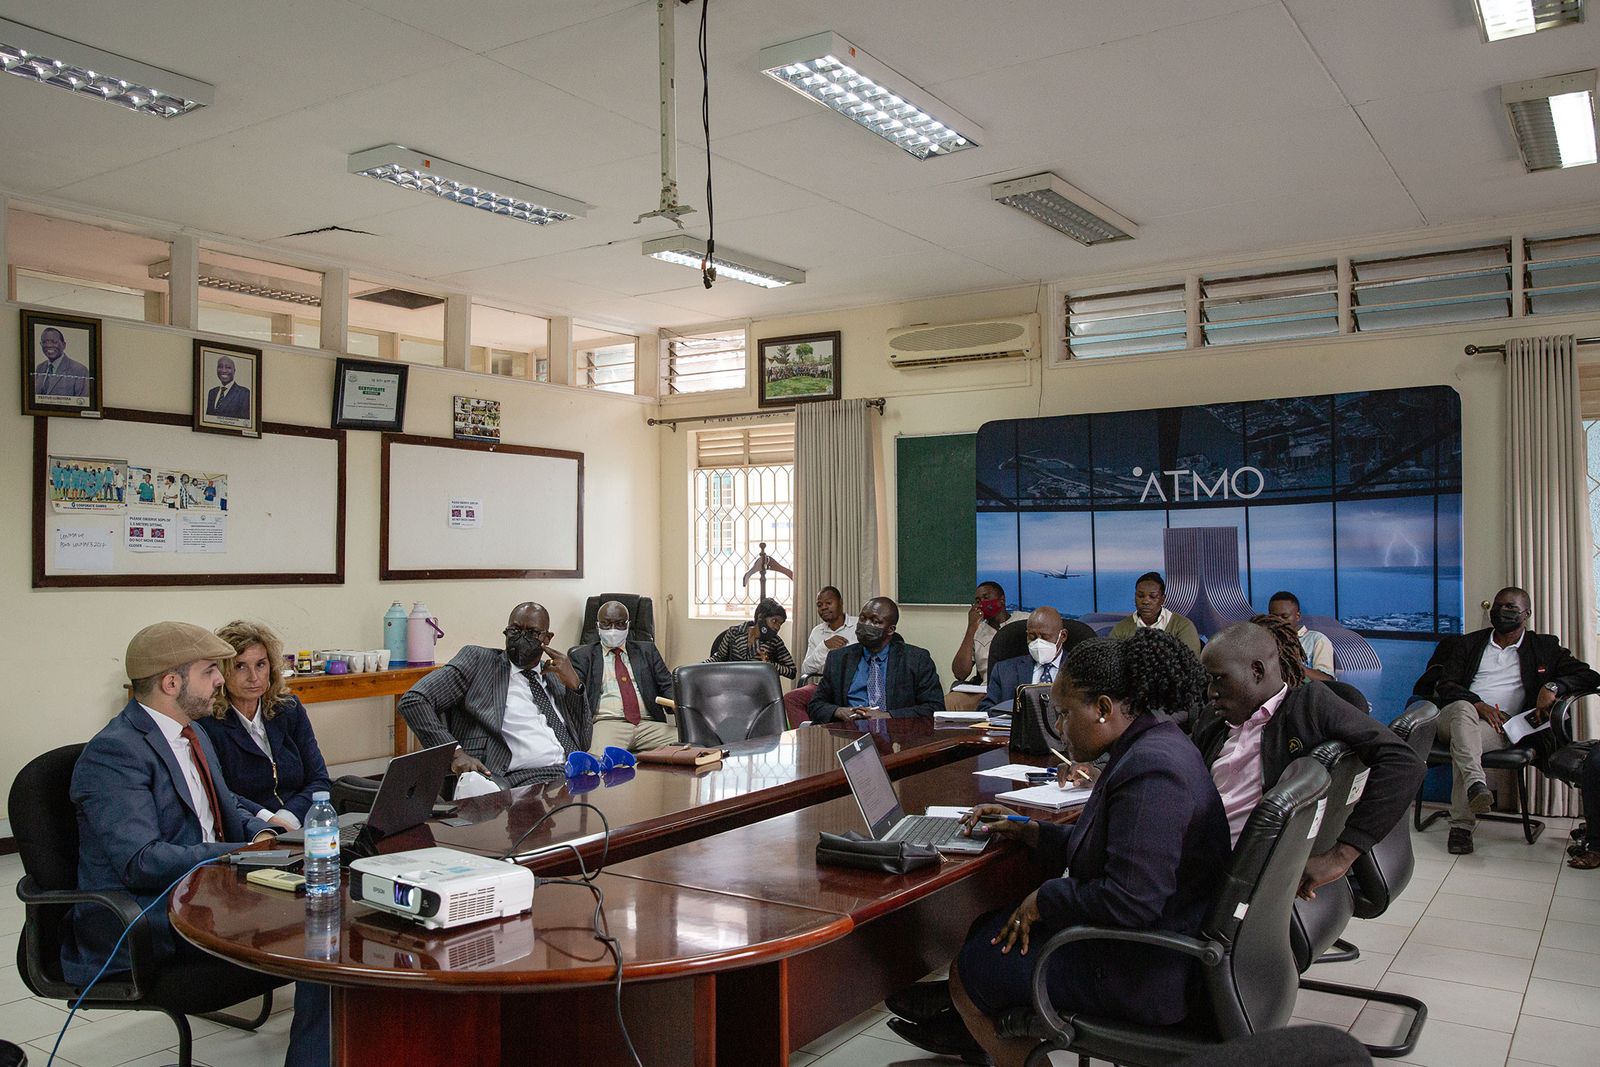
[(1549, 547), (836, 507)]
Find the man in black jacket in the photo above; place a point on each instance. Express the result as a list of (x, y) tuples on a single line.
[(1493, 674), (621, 680), (881, 676), (1257, 724)]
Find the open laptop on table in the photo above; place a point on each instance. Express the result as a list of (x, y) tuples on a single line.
[(880, 805), (405, 799)]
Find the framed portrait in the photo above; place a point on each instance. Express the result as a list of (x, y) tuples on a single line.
[(369, 395), (477, 420), (797, 369), (227, 389), (60, 364)]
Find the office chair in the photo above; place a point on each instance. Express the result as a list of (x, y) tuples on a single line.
[(641, 617), (1319, 922), (45, 822), (1247, 968), (1010, 641), (720, 703)]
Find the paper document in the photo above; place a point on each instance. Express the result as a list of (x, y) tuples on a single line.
[(968, 687), (960, 716), (946, 811), (1016, 772), (1046, 796), (1519, 726)]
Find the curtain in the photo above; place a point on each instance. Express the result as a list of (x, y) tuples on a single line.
[(1549, 546), (836, 507)]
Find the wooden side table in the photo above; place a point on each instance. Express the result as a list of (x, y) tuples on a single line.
[(320, 688)]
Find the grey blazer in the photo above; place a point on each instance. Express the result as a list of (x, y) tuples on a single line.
[(465, 701)]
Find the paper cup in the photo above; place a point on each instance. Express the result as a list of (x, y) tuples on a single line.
[(383, 659), (369, 661)]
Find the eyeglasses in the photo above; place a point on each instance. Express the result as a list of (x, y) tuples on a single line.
[(519, 631)]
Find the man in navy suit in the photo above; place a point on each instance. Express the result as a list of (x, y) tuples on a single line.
[(151, 806), (881, 676), (227, 400), (1049, 639)]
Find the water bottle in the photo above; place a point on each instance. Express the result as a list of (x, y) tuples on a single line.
[(322, 846), (394, 633), (322, 926)]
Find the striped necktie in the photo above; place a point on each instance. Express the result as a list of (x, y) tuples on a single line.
[(542, 701)]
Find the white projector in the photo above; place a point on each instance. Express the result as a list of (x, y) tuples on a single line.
[(440, 887)]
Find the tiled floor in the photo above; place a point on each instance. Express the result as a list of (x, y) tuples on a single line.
[(1502, 945)]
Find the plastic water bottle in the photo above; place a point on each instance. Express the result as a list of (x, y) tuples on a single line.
[(322, 846), (322, 926)]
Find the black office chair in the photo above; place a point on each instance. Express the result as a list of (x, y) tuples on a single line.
[(1243, 948), (1565, 763), (641, 617), (719, 703), (45, 824), (1318, 924), (1010, 641)]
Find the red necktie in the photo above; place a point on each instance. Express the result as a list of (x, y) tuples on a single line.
[(630, 698), (189, 735)]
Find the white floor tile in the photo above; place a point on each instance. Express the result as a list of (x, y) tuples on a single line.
[(1315, 1007), (127, 1035), (864, 1051), (1364, 972), (840, 1034), (11, 987), (1442, 1044), (1420, 889), (1561, 1000), (1575, 910), (880, 1030), (801, 1059), (1477, 937), (1492, 1009), (1562, 965), (1555, 1042), (1502, 891), (1463, 965), (1524, 868), (239, 1048), (1584, 885), (1574, 937), (1370, 936), (30, 1019), (1402, 913), (1492, 913)]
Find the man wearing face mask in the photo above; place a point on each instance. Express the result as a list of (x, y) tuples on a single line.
[(1493, 674), (621, 680), (878, 677), (987, 614), (517, 713), (1049, 640)]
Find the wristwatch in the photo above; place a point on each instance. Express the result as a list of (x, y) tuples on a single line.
[(1554, 687)]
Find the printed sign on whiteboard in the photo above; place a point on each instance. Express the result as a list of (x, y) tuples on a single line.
[(466, 514), (203, 534), (152, 533)]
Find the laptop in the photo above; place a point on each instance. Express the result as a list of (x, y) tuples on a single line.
[(880, 805), (405, 799)]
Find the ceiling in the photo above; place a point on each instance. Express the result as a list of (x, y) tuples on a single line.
[(1222, 127)]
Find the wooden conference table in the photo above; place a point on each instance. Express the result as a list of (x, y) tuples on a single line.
[(737, 947)]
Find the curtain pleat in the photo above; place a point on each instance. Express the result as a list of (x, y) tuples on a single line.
[(836, 506)]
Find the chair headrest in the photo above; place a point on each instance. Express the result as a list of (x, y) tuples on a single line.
[(1276, 837), (44, 820)]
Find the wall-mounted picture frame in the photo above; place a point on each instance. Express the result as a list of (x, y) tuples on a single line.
[(227, 389), (476, 420), (797, 369), (369, 395), (60, 364)]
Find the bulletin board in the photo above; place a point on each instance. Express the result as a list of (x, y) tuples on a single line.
[(278, 521), (466, 509)]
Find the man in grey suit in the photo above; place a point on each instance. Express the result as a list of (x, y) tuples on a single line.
[(58, 374), (516, 712), (621, 680)]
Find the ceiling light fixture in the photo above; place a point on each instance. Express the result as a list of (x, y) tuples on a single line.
[(1553, 120), (78, 68), (1062, 207), (689, 251), (460, 184), (226, 280), (835, 73), (1500, 19)]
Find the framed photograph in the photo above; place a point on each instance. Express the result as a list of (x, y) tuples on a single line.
[(477, 420), (60, 364), (227, 389), (793, 370), (369, 395)]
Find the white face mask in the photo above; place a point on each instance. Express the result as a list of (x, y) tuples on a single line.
[(1042, 651), (613, 638)]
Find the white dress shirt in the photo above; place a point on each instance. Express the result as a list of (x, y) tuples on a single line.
[(816, 645), (257, 729), (527, 733), (172, 730), (1498, 682), (1054, 665), (1160, 624)]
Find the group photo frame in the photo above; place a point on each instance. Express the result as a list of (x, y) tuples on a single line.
[(61, 367), (797, 369)]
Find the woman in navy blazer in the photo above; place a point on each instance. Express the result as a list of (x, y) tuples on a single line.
[(279, 778)]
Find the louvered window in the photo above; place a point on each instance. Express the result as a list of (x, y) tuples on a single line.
[(703, 363), (1563, 274), (1127, 323), (1426, 290), (742, 495), (1270, 307)]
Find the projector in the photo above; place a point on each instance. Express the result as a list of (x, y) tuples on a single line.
[(440, 887)]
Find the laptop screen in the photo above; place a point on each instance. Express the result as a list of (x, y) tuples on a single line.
[(869, 781)]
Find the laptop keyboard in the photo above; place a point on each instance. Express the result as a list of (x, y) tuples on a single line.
[(926, 830)]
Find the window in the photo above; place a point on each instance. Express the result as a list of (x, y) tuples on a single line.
[(1563, 274), (73, 266), (704, 362), (260, 301), (606, 360), (1126, 324), (1437, 287), (1270, 307), (509, 343), (390, 323), (742, 494)]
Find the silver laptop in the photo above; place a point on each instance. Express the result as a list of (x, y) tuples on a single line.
[(880, 805)]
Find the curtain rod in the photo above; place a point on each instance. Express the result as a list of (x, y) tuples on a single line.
[(876, 402), (1479, 350)]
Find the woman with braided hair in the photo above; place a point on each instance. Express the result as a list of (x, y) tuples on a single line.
[(1146, 853)]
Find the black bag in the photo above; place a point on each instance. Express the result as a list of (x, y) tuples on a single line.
[(1032, 727), (850, 849)]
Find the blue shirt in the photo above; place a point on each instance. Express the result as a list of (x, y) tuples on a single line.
[(858, 685)]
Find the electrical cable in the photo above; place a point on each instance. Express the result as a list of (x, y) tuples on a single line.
[(708, 273), (605, 846)]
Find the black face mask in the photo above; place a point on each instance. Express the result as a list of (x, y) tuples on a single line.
[(870, 634), (1505, 621), (524, 649)]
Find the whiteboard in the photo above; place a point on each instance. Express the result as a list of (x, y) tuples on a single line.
[(465, 509), (284, 523)]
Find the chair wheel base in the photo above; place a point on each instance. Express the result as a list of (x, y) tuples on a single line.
[(1413, 1032)]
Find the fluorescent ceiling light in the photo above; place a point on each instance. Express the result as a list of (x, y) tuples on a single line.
[(1062, 207), (1499, 19), (227, 280), (44, 57), (835, 73), (689, 251), (460, 184), (1553, 120)]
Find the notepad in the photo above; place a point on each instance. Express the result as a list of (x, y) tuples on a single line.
[(1052, 797)]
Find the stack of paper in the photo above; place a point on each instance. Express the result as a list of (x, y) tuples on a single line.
[(959, 717), (1052, 797)]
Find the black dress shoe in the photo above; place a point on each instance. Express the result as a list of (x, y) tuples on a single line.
[(946, 1035), (921, 1003), (1460, 843)]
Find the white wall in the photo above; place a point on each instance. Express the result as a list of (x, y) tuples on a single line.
[(63, 648)]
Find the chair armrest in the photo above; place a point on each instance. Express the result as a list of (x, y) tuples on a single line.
[(1561, 713), (1209, 953), (141, 950)]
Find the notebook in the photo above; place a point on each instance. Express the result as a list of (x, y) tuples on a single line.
[(1049, 796)]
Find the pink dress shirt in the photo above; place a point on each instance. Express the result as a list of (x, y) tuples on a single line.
[(1237, 771)]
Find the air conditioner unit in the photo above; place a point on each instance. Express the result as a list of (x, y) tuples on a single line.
[(962, 342)]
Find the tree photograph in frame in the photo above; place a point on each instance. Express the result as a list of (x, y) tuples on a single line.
[(793, 370), (227, 389), (369, 395), (60, 364)]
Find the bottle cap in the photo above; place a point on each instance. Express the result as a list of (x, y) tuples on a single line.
[(319, 796)]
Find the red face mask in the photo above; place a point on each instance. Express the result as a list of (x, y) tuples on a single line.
[(989, 607)]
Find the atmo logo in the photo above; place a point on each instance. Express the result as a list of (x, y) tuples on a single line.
[(1243, 483)]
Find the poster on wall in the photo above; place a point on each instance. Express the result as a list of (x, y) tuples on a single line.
[(86, 483), (1351, 501)]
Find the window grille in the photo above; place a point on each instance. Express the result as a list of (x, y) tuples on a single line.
[(1270, 307), (703, 363), (1563, 274), (1427, 290), (742, 494), (1126, 324)]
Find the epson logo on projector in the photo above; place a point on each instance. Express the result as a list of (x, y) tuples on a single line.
[(1242, 483)]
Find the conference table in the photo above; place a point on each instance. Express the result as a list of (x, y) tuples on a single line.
[(737, 947)]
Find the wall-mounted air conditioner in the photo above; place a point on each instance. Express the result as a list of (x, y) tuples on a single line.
[(963, 342)]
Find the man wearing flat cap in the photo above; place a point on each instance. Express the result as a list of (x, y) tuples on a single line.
[(150, 806)]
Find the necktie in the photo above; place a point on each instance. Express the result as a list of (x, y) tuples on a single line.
[(630, 698), (1047, 672), (875, 682), (199, 754), (542, 701)]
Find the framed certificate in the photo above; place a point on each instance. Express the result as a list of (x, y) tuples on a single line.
[(369, 395)]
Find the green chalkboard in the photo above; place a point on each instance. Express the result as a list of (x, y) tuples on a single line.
[(935, 485)]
